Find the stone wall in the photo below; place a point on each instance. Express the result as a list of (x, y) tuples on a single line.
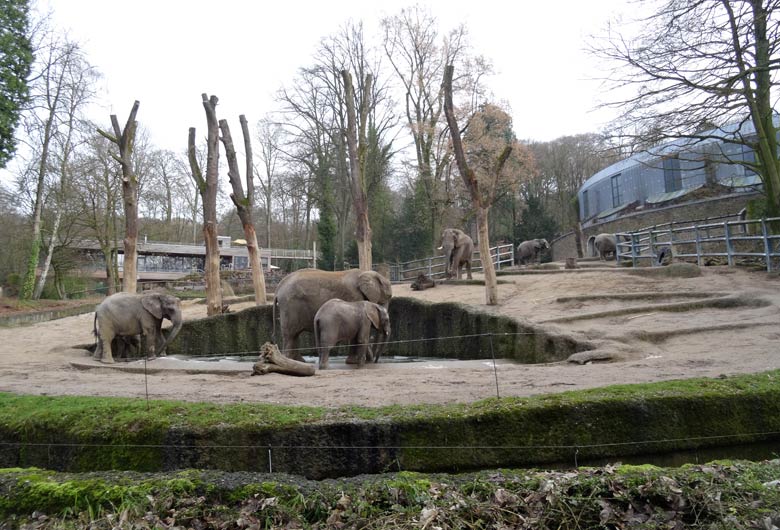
[(564, 246)]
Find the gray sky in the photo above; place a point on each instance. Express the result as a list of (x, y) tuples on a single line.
[(165, 53)]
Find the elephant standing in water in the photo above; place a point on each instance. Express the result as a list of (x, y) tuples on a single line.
[(351, 322), (531, 250), (130, 315), (300, 295), (458, 248), (605, 244)]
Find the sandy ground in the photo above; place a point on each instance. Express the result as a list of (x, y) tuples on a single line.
[(709, 342)]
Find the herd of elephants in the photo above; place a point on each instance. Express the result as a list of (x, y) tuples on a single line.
[(340, 307)]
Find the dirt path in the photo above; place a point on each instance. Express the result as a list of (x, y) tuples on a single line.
[(646, 343)]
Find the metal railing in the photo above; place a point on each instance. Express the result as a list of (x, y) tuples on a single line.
[(749, 238), (434, 266)]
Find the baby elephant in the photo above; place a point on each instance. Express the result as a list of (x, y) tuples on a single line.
[(350, 322)]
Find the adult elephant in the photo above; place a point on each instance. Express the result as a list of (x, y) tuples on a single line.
[(531, 250), (458, 248), (605, 244), (338, 321), (300, 295), (130, 315)]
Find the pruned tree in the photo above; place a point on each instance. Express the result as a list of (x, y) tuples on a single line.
[(244, 202), (208, 188), (698, 65), (124, 140), (357, 145), (482, 193)]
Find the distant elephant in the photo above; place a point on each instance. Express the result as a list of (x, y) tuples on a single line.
[(458, 248), (300, 294), (351, 322), (605, 244), (531, 251), (128, 315)]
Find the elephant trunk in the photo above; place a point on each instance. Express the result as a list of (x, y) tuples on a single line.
[(177, 321)]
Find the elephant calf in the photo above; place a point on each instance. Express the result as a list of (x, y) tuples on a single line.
[(351, 322)]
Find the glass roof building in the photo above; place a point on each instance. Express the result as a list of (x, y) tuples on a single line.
[(670, 171)]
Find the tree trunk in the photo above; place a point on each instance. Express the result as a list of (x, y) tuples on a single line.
[(208, 189), (244, 203), (488, 269), (124, 140), (49, 252), (356, 144)]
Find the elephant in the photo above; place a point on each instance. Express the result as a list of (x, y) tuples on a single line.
[(128, 315), (458, 248), (605, 244), (531, 250), (300, 294), (351, 322)]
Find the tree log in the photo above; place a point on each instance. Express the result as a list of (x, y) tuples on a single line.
[(272, 361)]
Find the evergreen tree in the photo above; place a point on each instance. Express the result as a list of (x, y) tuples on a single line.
[(535, 223), (16, 57)]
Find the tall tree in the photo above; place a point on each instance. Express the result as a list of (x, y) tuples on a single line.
[(357, 143), (48, 94), (244, 202), (491, 156), (16, 58), (696, 62), (124, 140), (208, 188)]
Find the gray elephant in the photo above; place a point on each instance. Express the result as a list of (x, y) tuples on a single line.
[(129, 315), (300, 294), (458, 248), (605, 244), (531, 251), (351, 322)]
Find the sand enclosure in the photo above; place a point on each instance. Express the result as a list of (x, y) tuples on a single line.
[(643, 328)]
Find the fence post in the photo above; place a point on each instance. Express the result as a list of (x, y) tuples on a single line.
[(653, 260), (767, 246), (699, 260), (634, 244), (430, 267), (729, 244)]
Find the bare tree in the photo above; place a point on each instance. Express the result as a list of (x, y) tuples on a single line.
[(244, 202), (356, 142), (482, 197), (269, 134), (124, 140), (208, 188), (698, 65)]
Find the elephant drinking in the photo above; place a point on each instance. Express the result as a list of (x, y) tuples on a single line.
[(458, 248), (129, 315), (351, 322), (300, 295)]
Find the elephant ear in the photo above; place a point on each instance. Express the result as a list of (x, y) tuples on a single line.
[(372, 312), (153, 304), (374, 287)]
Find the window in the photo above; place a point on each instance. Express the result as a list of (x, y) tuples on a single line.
[(617, 196), (672, 176), (585, 205)]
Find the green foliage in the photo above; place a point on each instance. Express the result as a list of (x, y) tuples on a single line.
[(413, 231), (326, 227), (28, 286), (16, 57), (73, 286), (536, 222)]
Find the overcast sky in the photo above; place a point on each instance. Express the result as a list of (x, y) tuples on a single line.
[(165, 53)]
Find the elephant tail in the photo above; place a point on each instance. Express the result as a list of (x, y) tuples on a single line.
[(94, 326), (317, 335)]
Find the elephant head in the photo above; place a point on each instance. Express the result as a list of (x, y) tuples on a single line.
[(164, 306), (380, 320)]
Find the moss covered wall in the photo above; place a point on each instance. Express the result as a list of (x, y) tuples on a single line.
[(603, 423), (426, 326)]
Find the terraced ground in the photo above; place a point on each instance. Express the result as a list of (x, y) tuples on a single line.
[(650, 325)]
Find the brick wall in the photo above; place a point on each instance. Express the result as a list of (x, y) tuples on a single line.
[(564, 246)]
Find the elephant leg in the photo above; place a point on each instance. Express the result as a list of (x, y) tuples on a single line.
[(291, 347), (107, 356), (151, 344), (160, 342), (468, 269), (324, 356)]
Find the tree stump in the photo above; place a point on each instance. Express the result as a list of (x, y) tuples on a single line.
[(571, 263), (272, 361)]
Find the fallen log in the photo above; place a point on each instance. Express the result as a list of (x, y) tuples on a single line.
[(272, 361)]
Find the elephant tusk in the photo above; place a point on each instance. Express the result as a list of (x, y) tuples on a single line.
[(439, 248)]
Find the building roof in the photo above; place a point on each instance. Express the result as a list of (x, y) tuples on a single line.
[(679, 145)]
